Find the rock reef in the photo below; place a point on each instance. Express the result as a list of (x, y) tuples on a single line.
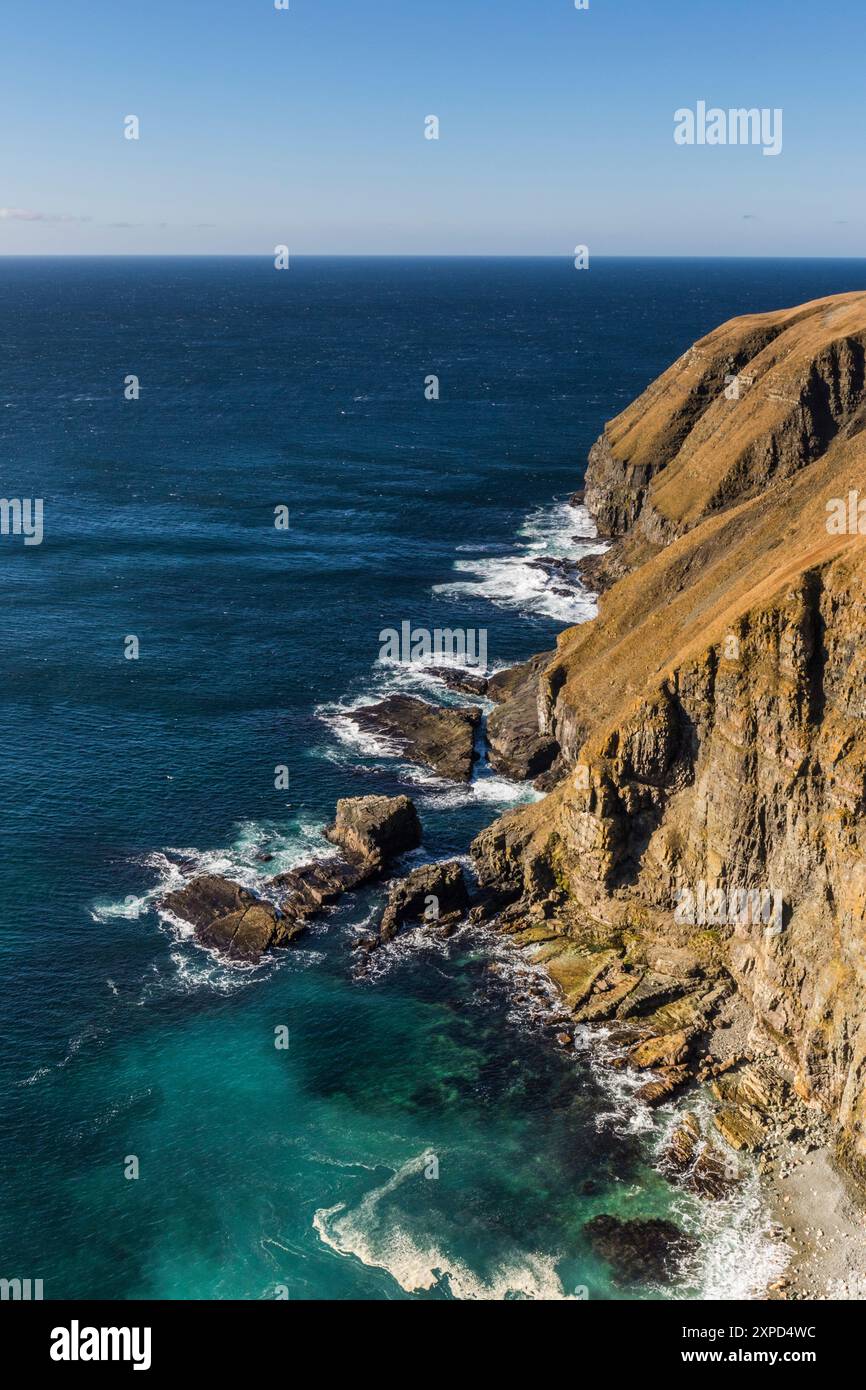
[(370, 832)]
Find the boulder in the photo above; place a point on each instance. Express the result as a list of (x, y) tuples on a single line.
[(666, 1051), (243, 935), (711, 1176), (649, 1250), (410, 898), (680, 1151), (665, 1084), (206, 898), (375, 828), (441, 737), (701, 1167), (225, 916), (319, 883)]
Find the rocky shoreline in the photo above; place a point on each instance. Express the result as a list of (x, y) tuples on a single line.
[(701, 736)]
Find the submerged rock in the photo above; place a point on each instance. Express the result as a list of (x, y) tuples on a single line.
[(441, 737), (435, 893), (645, 1251)]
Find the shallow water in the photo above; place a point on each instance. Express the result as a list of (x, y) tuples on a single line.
[(306, 1168)]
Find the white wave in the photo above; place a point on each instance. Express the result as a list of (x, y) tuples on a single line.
[(37, 1076), (338, 718), (242, 861), (370, 1236), (514, 581), (259, 851), (491, 790), (738, 1256)]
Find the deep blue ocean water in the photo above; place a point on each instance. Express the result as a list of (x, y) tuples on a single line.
[(304, 1169)]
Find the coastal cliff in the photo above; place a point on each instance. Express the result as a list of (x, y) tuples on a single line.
[(710, 728)]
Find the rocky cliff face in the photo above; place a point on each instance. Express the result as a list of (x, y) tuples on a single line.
[(709, 828)]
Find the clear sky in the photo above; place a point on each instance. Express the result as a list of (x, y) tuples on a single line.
[(306, 127)]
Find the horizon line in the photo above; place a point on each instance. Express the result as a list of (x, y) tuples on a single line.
[(400, 255)]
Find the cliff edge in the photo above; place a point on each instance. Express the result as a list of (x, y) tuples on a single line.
[(705, 838)]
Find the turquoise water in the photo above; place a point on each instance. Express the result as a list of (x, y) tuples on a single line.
[(305, 1171)]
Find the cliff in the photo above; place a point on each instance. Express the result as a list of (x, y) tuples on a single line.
[(711, 728)]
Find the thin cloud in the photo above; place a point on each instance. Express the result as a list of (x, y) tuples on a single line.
[(28, 215)]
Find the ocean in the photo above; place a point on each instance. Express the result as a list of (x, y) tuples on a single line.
[(302, 1172)]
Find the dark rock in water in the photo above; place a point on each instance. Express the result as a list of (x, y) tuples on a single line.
[(577, 498), (227, 917), (649, 1250), (517, 748), (557, 566), (243, 935), (375, 828), (439, 736), (318, 884), (410, 898), (207, 897), (456, 678)]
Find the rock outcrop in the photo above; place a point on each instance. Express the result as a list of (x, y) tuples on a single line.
[(225, 916), (432, 893), (375, 828), (516, 746), (711, 720), (441, 737), (370, 830)]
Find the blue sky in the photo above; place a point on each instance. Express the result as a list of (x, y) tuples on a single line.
[(306, 127)]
